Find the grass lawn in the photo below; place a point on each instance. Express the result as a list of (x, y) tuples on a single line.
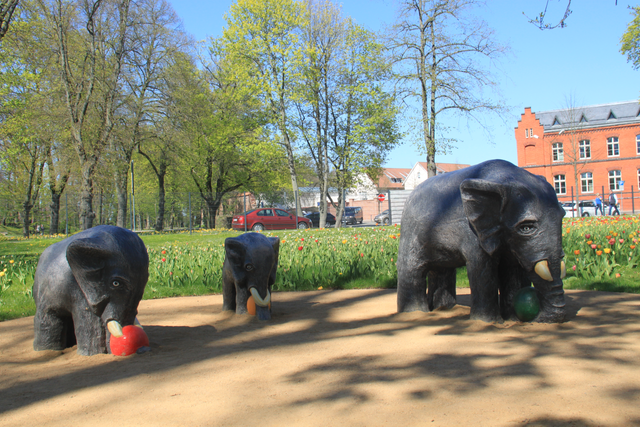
[(191, 264)]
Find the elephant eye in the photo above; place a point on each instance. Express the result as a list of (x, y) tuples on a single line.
[(527, 228), (115, 284), (249, 267)]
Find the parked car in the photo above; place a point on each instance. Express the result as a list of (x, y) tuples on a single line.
[(269, 219), (352, 215), (314, 217), (383, 217), (587, 208)]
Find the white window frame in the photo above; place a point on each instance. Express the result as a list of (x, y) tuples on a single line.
[(638, 145), (612, 142), (586, 178), (615, 176), (526, 133), (557, 152), (585, 149), (560, 184)]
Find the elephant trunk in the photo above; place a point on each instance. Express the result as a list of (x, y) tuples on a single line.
[(550, 291), (263, 305)]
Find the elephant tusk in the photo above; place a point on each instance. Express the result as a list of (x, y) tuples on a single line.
[(258, 299), (542, 270), (115, 328), (563, 270)]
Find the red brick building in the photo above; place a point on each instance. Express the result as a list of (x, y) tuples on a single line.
[(598, 145)]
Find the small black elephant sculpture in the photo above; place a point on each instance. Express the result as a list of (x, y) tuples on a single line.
[(502, 222), (87, 284), (249, 269)]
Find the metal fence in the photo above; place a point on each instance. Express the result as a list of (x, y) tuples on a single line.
[(628, 201)]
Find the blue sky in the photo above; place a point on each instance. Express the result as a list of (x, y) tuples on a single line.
[(542, 71)]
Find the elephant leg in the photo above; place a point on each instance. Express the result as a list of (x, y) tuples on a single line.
[(412, 289), (512, 278), (483, 281), (51, 331), (242, 296), (441, 289), (90, 333), (228, 294)]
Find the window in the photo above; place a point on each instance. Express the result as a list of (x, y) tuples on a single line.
[(637, 144), (526, 133), (560, 184), (586, 182), (638, 179), (585, 149), (614, 180), (557, 152), (613, 149), (280, 212)]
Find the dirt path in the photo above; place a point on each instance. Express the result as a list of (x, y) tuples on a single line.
[(335, 358)]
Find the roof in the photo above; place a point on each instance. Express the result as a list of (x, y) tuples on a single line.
[(388, 175), (617, 113), (445, 167)]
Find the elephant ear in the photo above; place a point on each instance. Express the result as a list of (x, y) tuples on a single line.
[(235, 250), (483, 203), (87, 259), (275, 242)]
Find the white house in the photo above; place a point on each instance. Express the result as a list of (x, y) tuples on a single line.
[(418, 173)]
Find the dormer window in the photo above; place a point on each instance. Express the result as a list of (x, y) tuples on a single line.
[(611, 115), (556, 122), (583, 119)]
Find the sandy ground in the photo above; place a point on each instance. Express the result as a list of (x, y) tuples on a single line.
[(331, 358)]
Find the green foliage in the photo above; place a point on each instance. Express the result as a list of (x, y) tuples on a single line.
[(631, 39)]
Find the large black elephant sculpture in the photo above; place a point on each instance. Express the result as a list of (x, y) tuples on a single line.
[(502, 222), (249, 271), (87, 287)]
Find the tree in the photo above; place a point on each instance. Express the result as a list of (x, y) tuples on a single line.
[(630, 42), (364, 126), (89, 38), (29, 124), (154, 41), (538, 21), (324, 39), (262, 41), (439, 54), (220, 119), (7, 8)]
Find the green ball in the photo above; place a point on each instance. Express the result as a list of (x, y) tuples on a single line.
[(526, 304)]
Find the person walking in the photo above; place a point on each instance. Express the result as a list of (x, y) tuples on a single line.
[(613, 204), (598, 203)]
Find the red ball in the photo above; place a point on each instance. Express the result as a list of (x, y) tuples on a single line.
[(133, 337)]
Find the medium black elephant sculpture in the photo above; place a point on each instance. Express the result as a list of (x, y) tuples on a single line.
[(249, 270), (87, 284), (502, 222)]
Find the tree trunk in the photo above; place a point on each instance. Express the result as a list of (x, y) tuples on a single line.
[(26, 219), (121, 192), (86, 196), (161, 203), (55, 212)]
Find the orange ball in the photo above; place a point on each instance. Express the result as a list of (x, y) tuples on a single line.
[(251, 306)]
